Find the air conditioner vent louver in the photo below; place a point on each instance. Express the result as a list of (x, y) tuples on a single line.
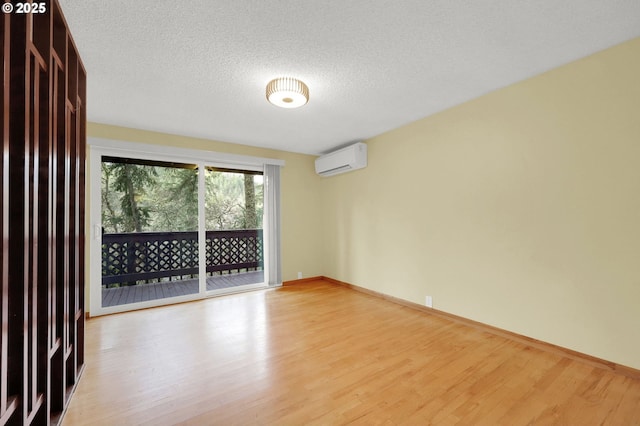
[(353, 157)]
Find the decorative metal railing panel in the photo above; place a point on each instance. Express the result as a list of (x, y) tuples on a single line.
[(128, 259)]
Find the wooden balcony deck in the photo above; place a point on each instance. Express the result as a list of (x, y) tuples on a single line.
[(144, 292)]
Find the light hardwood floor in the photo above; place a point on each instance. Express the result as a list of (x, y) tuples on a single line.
[(322, 354)]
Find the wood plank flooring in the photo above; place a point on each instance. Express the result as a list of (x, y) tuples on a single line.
[(321, 354), (143, 292)]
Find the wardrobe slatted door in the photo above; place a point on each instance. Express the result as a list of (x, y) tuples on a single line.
[(8, 391), (43, 129)]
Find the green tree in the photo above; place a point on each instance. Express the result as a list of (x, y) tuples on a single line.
[(174, 200), (110, 219), (250, 213), (131, 181), (223, 200), (143, 197)]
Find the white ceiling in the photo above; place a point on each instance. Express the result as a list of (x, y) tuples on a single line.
[(200, 67)]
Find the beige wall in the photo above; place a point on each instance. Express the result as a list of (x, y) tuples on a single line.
[(520, 209), (299, 184)]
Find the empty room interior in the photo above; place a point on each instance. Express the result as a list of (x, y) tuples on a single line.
[(291, 213)]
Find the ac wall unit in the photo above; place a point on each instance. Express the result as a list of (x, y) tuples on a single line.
[(353, 157)]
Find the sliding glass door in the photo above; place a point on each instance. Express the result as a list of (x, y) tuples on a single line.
[(149, 230), (168, 231), (234, 206)]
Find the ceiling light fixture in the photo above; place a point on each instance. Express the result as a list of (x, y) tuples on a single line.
[(287, 92)]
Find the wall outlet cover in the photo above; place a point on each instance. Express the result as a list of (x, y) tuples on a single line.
[(429, 302)]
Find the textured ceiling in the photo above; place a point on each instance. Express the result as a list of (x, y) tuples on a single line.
[(200, 67)]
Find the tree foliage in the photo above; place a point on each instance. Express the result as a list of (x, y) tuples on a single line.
[(147, 198), (130, 181)]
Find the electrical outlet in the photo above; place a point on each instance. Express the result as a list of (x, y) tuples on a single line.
[(429, 302), (299, 275)]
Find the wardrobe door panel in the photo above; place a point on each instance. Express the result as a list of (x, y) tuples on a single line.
[(42, 224), (8, 386)]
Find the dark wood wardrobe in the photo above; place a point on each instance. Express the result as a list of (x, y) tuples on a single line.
[(42, 227)]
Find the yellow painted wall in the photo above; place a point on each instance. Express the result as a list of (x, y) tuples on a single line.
[(299, 185), (519, 209)]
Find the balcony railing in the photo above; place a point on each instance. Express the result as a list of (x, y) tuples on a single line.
[(129, 259)]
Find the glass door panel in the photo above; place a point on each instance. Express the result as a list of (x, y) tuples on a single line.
[(149, 230), (234, 205)]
